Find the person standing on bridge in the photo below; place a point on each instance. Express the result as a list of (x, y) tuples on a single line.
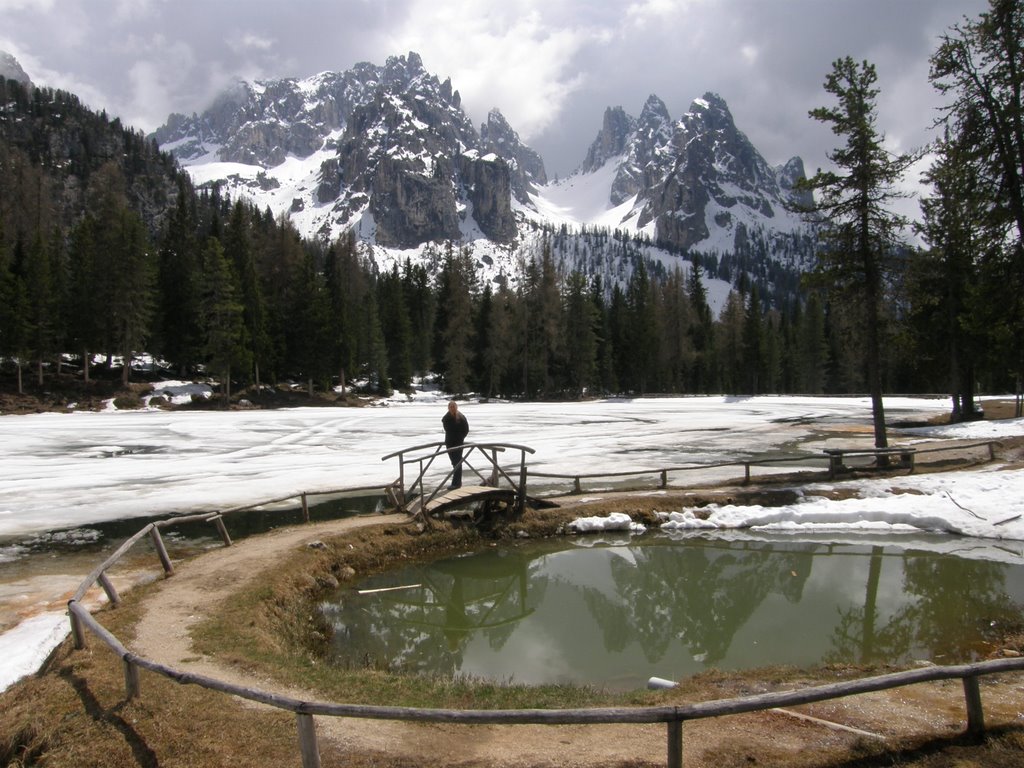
[(456, 427)]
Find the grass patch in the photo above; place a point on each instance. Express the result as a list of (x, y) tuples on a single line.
[(74, 715)]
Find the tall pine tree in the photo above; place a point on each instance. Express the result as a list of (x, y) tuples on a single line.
[(860, 230)]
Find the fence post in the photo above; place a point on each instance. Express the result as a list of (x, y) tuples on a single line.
[(76, 628), (521, 496), (131, 680), (161, 550), (675, 744), (305, 507), (218, 520), (975, 714), (664, 479), (108, 587), (307, 740)]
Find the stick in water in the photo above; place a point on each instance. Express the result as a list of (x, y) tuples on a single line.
[(387, 589)]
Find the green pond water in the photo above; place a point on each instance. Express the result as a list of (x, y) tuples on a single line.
[(614, 614)]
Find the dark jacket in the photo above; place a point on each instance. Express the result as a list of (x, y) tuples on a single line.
[(455, 429)]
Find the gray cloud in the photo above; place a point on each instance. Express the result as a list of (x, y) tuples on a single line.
[(551, 66)]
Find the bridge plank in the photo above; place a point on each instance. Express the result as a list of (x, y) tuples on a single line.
[(465, 495)]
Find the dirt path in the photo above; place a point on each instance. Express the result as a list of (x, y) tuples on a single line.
[(202, 583)]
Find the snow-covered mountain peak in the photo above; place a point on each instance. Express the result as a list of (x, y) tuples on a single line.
[(387, 152)]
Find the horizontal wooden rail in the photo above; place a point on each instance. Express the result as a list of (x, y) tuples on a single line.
[(747, 464), (401, 494), (677, 714)]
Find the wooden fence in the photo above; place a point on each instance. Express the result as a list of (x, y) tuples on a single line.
[(673, 716), (810, 461)]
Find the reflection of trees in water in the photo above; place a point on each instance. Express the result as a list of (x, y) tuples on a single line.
[(426, 628), (699, 596), (955, 598), (663, 598)]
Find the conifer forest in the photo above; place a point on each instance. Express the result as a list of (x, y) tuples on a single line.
[(108, 250)]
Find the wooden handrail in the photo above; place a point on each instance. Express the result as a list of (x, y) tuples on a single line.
[(676, 714), (403, 493), (809, 459)]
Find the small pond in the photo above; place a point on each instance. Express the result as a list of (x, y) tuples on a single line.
[(614, 614)]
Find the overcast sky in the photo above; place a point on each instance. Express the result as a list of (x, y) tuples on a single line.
[(550, 66)]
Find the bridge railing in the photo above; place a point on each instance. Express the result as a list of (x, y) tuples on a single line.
[(422, 457)]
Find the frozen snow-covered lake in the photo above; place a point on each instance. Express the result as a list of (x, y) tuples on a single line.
[(66, 472)]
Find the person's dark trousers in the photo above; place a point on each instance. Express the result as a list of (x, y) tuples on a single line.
[(456, 457)]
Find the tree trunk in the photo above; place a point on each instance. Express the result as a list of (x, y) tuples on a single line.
[(85, 365), (872, 304), (21, 388)]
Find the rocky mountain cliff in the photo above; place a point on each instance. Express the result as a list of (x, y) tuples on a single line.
[(389, 148), (696, 181), (388, 151)]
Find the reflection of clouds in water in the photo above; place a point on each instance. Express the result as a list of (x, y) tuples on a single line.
[(590, 566)]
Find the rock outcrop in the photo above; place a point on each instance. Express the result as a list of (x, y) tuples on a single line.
[(398, 156)]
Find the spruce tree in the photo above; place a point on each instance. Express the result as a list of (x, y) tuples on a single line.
[(945, 313), (420, 301), (978, 66), (642, 336), (309, 325), (500, 353), (396, 327), (177, 331), (755, 347), (811, 347), (132, 298), (701, 331), (42, 305), (580, 336), (605, 353), (456, 334), (729, 345), (859, 230), (676, 354), (240, 252), (346, 289), (222, 318)]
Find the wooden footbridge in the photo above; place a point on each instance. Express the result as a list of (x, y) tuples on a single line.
[(497, 485)]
